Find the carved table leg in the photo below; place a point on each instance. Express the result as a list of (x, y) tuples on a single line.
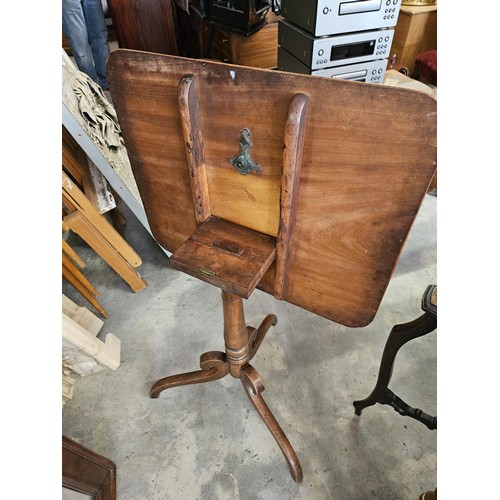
[(254, 386), (256, 335), (241, 343), (400, 335), (213, 367)]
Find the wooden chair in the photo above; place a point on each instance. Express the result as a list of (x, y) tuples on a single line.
[(289, 183)]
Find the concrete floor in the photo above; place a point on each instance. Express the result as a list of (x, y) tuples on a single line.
[(206, 441)]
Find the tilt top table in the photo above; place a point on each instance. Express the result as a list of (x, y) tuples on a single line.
[(301, 186)]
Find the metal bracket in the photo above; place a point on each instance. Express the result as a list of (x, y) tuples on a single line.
[(243, 162)]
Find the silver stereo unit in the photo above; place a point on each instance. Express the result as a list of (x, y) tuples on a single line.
[(336, 50), (327, 17), (367, 71)]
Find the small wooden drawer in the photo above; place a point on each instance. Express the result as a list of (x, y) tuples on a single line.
[(224, 254)]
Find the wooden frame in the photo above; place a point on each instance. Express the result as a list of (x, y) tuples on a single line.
[(87, 472)]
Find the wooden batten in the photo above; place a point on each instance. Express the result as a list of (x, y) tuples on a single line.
[(292, 162), (189, 110), (66, 248), (76, 200), (85, 318), (72, 280), (79, 224)]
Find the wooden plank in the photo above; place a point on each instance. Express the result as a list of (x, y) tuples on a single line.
[(85, 207), (85, 318), (106, 353), (193, 140), (117, 179), (68, 264), (227, 255), (72, 157), (292, 164), (84, 228), (96, 189), (72, 280), (66, 248), (369, 157)]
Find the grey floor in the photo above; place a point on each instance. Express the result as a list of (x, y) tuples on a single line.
[(206, 441)]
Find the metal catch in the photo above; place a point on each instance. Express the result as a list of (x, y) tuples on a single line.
[(243, 162), (206, 272)]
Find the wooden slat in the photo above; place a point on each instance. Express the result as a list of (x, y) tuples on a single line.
[(81, 203), (72, 254), (72, 157), (81, 226), (72, 280), (85, 318), (292, 163), (193, 140), (66, 262), (106, 353)]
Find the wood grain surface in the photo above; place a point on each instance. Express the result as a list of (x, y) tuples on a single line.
[(369, 155)]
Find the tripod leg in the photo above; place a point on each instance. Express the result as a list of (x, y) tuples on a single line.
[(213, 367), (256, 335), (254, 386)]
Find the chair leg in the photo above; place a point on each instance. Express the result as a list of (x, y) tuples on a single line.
[(399, 336)]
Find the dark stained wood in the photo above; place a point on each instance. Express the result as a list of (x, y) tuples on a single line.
[(226, 255), (368, 159), (292, 163), (193, 141), (398, 337), (145, 25), (87, 472)]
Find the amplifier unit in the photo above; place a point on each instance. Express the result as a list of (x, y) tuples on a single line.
[(327, 17), (337, 50), (367, 71)]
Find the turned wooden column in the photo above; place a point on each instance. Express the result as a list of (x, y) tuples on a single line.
[(235, 333)]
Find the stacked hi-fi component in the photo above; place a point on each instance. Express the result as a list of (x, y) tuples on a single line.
[(347, 39)]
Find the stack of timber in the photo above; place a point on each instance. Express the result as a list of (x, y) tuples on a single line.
[(82, 352)]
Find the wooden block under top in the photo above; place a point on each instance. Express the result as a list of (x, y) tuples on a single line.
[(229, 256)]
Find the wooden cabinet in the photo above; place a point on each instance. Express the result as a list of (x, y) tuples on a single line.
[(198, 38), (415, 32), (145, 25), (259, 50)]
